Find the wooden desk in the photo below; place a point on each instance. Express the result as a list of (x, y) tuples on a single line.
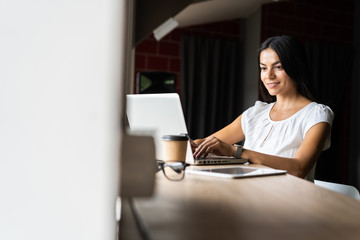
[(272, 207)]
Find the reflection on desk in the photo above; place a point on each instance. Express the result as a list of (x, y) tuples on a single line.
[(271, 207)]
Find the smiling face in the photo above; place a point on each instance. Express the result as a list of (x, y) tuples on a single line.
[(273, 75)]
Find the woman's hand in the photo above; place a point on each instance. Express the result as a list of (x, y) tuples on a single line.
[(195, 143), (213, 145)]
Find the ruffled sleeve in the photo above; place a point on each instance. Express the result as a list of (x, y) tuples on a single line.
[(320, 113)]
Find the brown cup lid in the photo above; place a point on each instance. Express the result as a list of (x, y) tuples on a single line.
[(174, 138)]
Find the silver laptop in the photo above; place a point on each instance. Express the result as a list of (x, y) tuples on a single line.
[(162, 114)]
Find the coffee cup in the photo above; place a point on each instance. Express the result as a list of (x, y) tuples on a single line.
[(174, 147)]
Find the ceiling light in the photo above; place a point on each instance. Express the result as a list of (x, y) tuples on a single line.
[(165, 28)]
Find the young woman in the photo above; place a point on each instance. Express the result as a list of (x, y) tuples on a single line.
[(287, 130)]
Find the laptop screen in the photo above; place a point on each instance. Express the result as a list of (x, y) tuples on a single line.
[(156, 115)]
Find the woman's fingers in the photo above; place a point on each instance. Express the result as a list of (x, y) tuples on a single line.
[(212, 145), (206, 147), (193, 145)]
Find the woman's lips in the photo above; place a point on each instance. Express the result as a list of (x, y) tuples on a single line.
[(272, 85)]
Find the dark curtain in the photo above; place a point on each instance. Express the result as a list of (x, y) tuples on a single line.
[(354, 178), (210, 83), (331, 84)]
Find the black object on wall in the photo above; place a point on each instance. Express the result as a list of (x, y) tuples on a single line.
[(155, 82)]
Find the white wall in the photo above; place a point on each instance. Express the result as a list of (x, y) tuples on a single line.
[(59, 118), (251, 75)]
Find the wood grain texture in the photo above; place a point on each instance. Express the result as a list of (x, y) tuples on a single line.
[(272, 207)]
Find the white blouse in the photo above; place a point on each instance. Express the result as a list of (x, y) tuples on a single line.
[(282, 138)]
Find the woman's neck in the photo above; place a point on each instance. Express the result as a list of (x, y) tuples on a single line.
[(290, 102), (285, 107)]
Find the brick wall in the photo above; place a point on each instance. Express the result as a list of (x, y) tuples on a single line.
[(310, 20), (164, 55)]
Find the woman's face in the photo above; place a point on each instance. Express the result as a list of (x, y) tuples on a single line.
[(273, 75)]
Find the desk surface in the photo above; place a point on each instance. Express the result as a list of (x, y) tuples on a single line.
[(271, 207)]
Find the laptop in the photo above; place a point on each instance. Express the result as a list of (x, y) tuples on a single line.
[(162, 114)]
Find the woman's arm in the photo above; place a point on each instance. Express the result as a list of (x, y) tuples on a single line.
[(309, 151), (305, 157)]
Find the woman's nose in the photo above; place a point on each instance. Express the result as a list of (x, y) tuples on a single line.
[(270, 73)]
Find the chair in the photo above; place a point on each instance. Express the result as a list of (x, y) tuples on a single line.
[(340, 188)]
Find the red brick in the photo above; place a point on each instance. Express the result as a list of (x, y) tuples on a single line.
[(271, 7), (151, 37), (303, 38), (330, 4), (140, 61), (276, 21), (286, 9), (231, 27), (313, 28), (213, 27), (271, 33), (201, 34), (343, 5), (167, 37), (147, 46), (342, 19), (320, 3), (329, 31), (175, 65), (176, 34), (227, 30), (322, 15), (196, 28), (157, 63), (169, 49), (305, 12), (346, 5)]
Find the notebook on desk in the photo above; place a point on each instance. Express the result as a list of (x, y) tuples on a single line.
[(162, 114)]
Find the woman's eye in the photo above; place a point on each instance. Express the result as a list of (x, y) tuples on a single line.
[(263, 69), (279, 67)]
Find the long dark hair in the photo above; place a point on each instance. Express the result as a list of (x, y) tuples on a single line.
[(293, 58)]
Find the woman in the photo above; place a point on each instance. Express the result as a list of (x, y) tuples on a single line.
[(288, 130)]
